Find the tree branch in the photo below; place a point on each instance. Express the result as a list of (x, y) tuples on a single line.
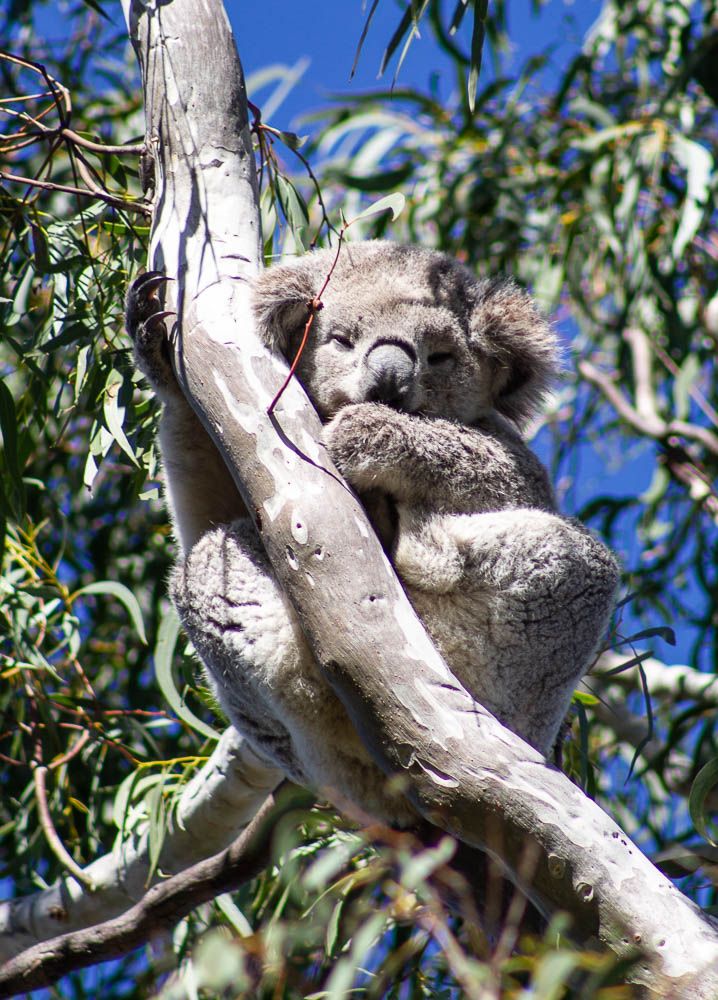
[(677, 682), (221, 798), (160, 909), (682, 465)]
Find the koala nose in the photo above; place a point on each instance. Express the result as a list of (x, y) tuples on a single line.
[(390, 366)]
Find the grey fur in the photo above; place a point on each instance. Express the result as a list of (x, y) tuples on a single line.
[(421, 374)]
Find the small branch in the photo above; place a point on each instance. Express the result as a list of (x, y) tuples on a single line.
[(72, 752), (681, 464), (130, 149), (644, 417), (110, 199), (160, 909), (220, 799), (677, 682), (48, 828), (650, 425), (642, 357)]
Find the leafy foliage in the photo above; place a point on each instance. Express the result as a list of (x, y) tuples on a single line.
[(595, 184)]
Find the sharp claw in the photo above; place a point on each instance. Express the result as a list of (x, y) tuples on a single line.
[(158, 316), (152, 279)]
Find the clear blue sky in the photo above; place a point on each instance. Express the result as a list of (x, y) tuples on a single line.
[(326, 32)]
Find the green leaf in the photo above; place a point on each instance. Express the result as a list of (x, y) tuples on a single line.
[(461, 7), (664, 631), (157, 815), (684, 381), (234, 915), (9, 430), (294, 207), (362, 37), (333, 924), (345, 969), (292, 140), (551, 977), (111, 588), (386, 180), (419, 867), (167, 636), (115, 414), (393, 203), (698, 164), (395, 40), (39, 249), (80, 370), (477, 44), (584, 698), (706, 781)]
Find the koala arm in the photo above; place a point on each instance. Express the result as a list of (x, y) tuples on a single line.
[(434, 462), (200, 490)]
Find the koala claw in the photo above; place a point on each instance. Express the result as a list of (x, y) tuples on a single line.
[(145, 325)]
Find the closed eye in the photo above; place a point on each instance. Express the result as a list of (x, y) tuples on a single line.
[(342, 341), (440, 357)]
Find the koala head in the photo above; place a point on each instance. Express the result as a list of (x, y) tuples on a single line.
[(408, 327)]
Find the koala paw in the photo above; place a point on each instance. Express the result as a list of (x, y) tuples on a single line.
[(358, 439), (145, 324)]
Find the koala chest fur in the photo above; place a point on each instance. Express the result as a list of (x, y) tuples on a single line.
[(422, 376)]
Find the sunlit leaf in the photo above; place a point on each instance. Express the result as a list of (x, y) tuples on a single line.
[(701, 790), (113, 588), (167, 636)]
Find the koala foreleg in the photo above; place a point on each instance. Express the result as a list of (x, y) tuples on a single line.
[(436, 463), (200, 489)]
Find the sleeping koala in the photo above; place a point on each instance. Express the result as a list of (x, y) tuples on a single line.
[(422, 376)]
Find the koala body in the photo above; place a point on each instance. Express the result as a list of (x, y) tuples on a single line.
[(422, 376)]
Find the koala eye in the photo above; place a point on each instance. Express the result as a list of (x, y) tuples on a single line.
[(342, 341), (440, 357)]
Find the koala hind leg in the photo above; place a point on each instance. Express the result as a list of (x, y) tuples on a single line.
[(264, 674), (519, 612)]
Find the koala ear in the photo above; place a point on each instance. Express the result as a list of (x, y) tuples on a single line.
[(507, 329), (280, 300)]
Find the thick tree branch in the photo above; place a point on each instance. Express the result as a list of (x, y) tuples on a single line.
[(160, 909), (222, 798)]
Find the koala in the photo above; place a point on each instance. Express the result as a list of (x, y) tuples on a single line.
[(423, 377)]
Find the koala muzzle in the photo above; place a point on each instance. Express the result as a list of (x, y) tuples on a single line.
[(390, 367)]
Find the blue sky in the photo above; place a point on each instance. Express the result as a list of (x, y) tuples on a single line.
[(326, 33)]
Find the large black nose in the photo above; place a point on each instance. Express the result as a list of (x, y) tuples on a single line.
[(391, 367)]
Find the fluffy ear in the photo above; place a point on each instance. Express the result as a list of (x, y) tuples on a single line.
[(506, 327), (280, 300)]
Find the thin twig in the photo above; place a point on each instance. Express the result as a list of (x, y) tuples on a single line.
[(116, 202), (51, 835), (314, 306)]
